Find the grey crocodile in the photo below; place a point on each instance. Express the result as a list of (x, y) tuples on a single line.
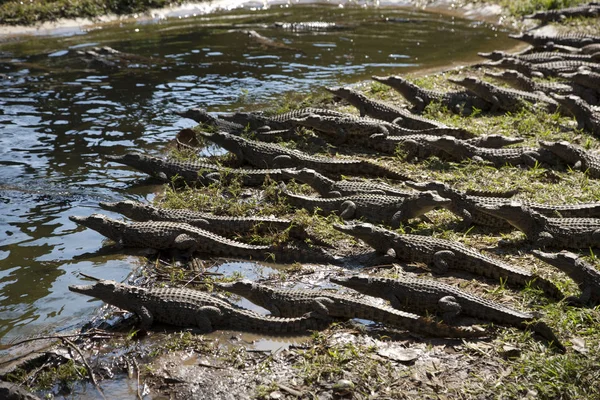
[(456, 101), (191, 308), (585, 275), (539, 57), (299, 302), (426, 296), (574, 233), (549, 69), (378, 110), (329, 188), (270, 155), (585, 10), (165, 235), (564, 39), (195, 172), (441, 255), (461, 150), (201, 116), (521, 82), (390, 210), (577, 157), (256, 121), (503, 98), (221, 225), (466, 205), (587, 117), (344, 129), (585, 78), (311, 26)]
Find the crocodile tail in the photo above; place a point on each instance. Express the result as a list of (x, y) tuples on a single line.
[(546, 332), (548, 287), (382, 171), (444, 330)]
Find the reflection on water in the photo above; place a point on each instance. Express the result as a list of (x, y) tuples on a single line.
[(61, 113)]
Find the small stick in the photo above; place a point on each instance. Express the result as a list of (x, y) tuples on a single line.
[(288, 389), (87, 365), (137, 369)]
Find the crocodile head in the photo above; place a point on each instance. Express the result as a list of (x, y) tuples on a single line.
[(559, 260), (242, 288), (131, 209), (469, 82), (111, 292), (494, 55), (444, 142), (305, 175), (199, 115), (423, 202), (375, 236), (111, 228), (142, 162), (563, 149), (340, 91), (361, 283), (515, 213), (509, 75)]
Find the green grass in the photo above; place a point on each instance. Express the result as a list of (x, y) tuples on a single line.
[(28, 12)]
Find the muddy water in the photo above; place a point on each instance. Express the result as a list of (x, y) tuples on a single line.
[(60, 115)]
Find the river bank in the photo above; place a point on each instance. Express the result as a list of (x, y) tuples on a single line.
[(349, 360)]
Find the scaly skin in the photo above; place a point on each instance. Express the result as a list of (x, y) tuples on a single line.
[(161, 235), (329, 188), (461, 150), (575, 233), (221, 225), (378, 110), (549, 69), (585, 275), (426, 296), (521, 82), (538, 57), (585, 11), (193, 172), (576, 156), (271, 155), (191, 308), (464, 205), (299, 302), (391, 210), (201, 116), (258, 121), (571, 39), (441, 255), (505, 99), (587, 118), (584, 78), (420, 98)]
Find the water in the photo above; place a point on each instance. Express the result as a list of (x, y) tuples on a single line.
[(60, 116)]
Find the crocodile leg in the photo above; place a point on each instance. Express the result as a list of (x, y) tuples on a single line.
[(283, 161), (146, 318), (203, 318), (319, 305), (348, 209), (440, 265), (449, 307)]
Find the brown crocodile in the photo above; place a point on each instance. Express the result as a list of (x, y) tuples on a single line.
[(577, 157), (191, 308), (587, 117), (299, 302), (428, 296)]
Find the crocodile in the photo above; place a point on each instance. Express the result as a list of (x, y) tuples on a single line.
[(255, 121), (539, 57), (456, 101), (510, 100), (378, 110), (521, 82), (361, 128), (461, 150), (577, 157), (442, 255), (564, 39), (299, 302), (311, 26), (166, 235), (425, 296), (549, 69), (585, 10), (221, 225), (376, 208), (585, 78), (271, 155), (575, 233), (585, 275), (201, 116), (191, 308), (586, 116), (195, 172), (466, 205), (329, 188)]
